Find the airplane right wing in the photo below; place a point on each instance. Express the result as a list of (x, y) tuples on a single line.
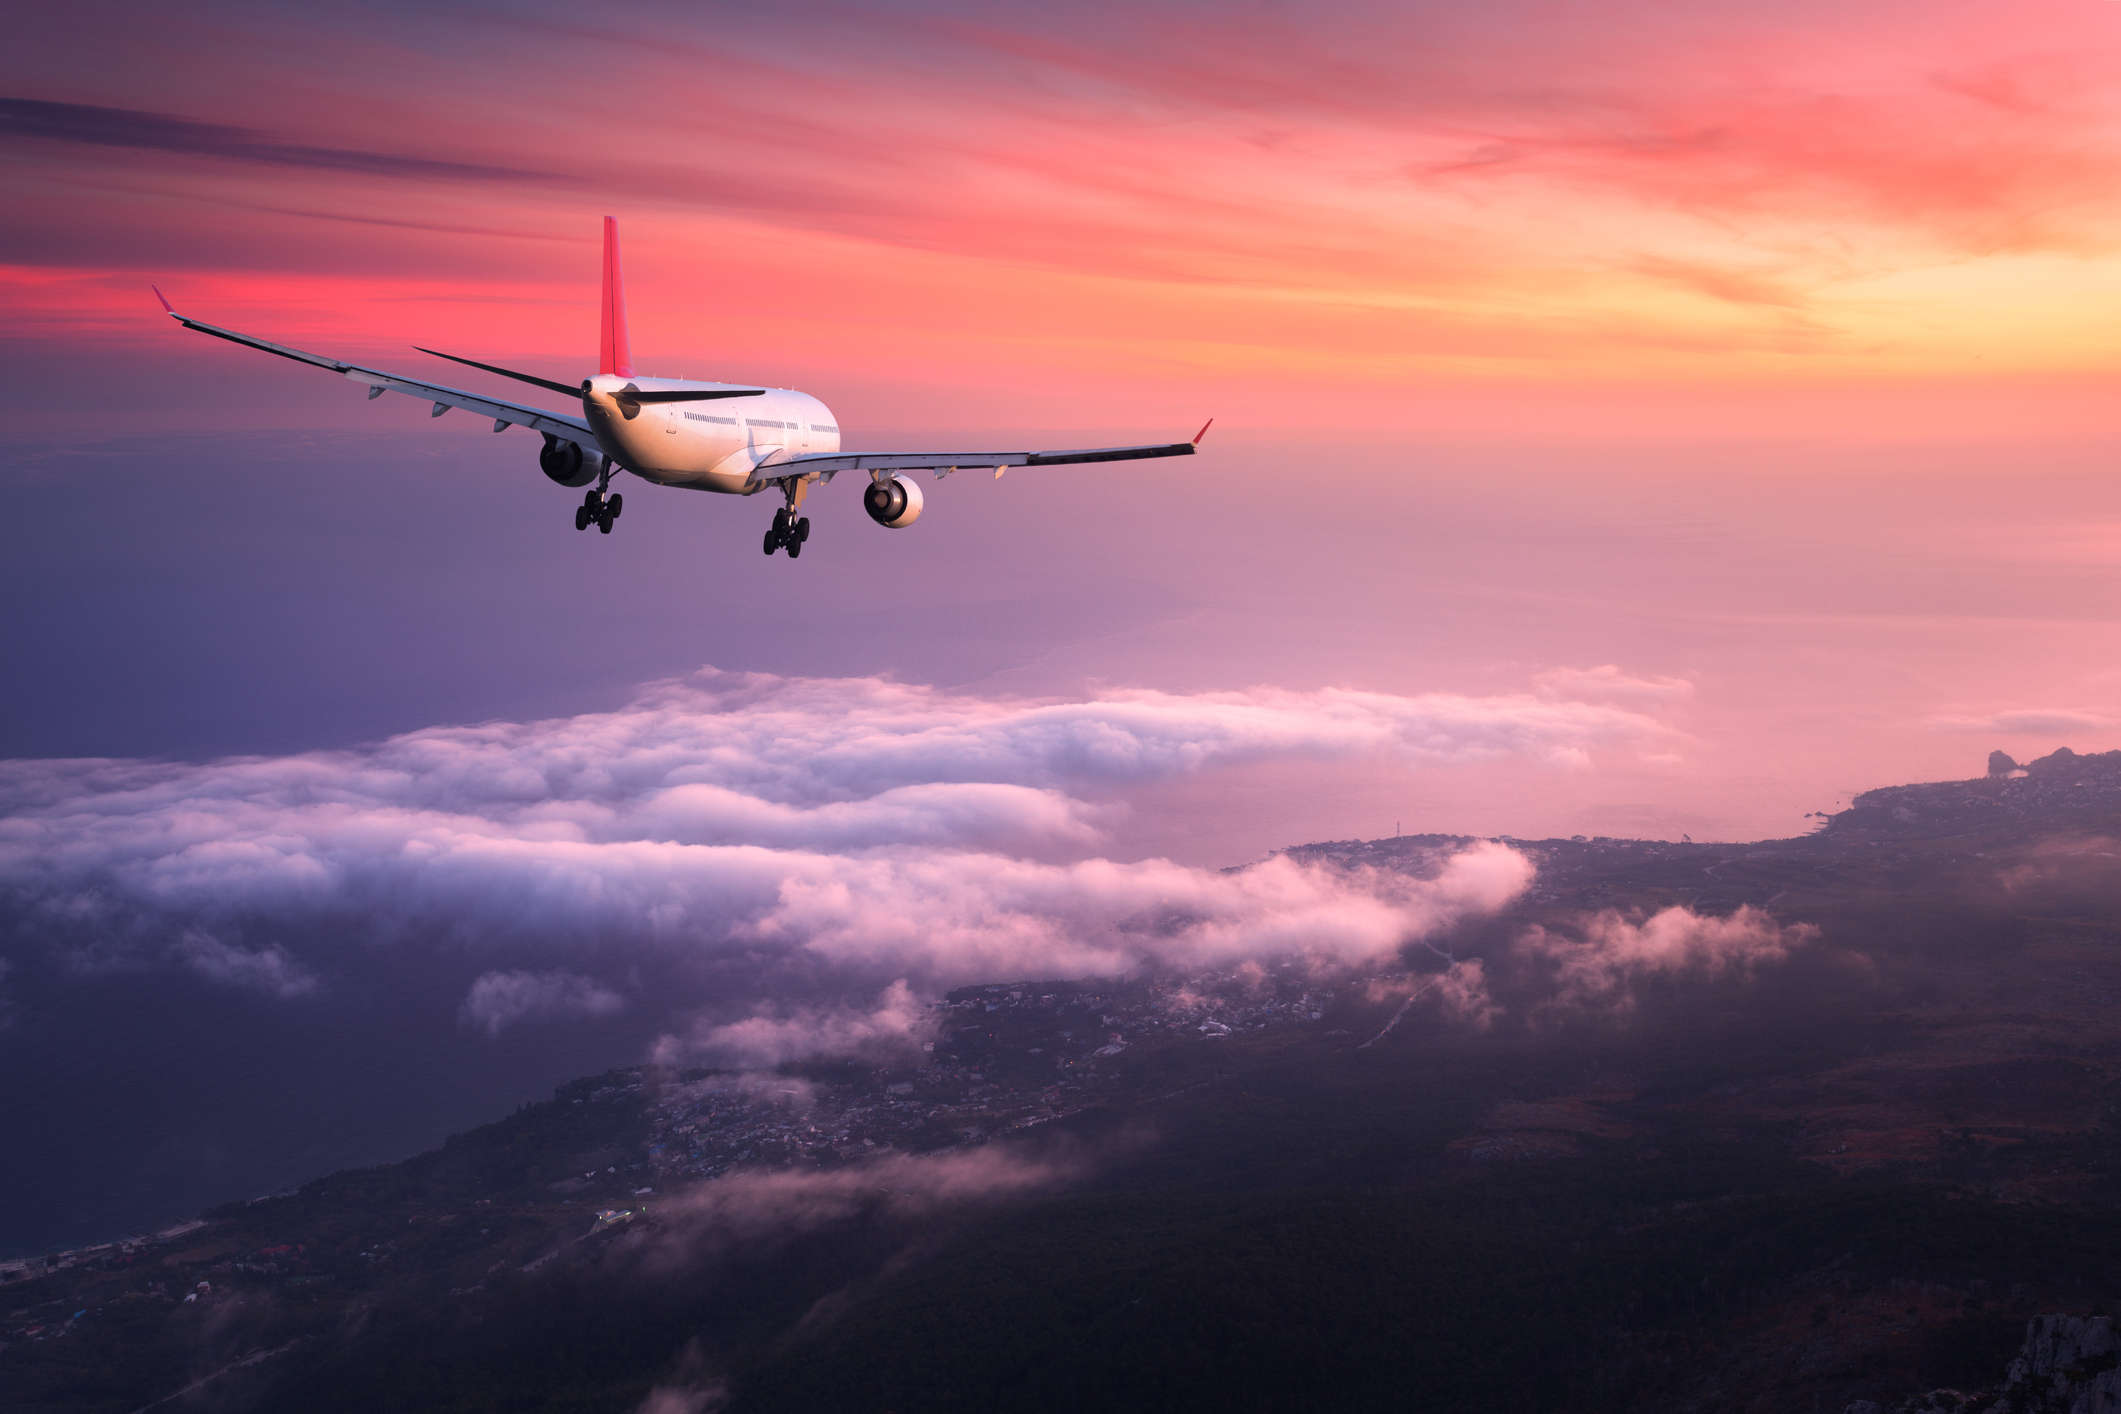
[(830, 464)]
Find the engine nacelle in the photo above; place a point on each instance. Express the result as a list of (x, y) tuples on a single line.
[(894, 503), (565, 463)]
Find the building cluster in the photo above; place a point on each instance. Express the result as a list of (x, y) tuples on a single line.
[(100, 1257), (1004, 1058)]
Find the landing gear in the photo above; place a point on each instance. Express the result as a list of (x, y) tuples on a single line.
[(599, 510), (789, 529)]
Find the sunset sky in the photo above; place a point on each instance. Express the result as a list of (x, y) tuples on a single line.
[(1632, 419), (1873, 220), (1677, 339)]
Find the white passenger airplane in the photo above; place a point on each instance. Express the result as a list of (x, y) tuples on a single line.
[(722, 437)]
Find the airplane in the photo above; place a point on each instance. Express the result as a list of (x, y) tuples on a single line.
[(730, 438)]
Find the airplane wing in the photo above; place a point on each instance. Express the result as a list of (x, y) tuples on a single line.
[(504, 414), (830, 464)]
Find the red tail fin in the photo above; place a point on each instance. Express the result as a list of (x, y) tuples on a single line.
[(616, 355)]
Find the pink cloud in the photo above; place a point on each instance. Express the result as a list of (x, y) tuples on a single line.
[(899, 1020), (1599, 964), (963, 918), (758, 1206), (685, 1399)]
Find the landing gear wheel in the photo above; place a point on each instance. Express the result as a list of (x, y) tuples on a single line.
[(780, 523), (590, 500), (617, 504), (773, 542), (604, 522), (795, 546), (581, 517), (802, 531)]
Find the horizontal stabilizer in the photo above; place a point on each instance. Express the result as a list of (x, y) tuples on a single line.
[(570, 389), (685, 395)]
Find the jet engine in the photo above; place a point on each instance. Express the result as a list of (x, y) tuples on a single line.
[(894, 503), (565, 463)]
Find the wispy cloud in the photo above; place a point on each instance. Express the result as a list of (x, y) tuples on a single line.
[(1609, 683), (499, 1000), (1593, 965), (2026, 721), (268, 969), (749, 1206), (784, 1033), (1599, 963), (1732, 286), (36, 120)]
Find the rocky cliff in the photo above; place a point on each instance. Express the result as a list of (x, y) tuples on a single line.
[(2059, 784), (2068, 1365)]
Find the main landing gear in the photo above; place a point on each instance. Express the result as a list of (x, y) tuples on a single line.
[(599, 511), (597, 508), (789, 529)]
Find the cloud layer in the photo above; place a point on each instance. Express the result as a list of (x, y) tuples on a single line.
[(741, 870), (863, 827), (730, 758), (762, 869)]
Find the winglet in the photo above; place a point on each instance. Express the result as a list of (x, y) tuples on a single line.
[(616, 356), (1203, 431), (167, 307)]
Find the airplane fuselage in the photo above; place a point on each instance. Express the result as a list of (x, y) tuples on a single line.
[(714, 445)]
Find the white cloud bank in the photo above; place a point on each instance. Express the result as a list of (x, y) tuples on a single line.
[(727, 758), (778, 846)]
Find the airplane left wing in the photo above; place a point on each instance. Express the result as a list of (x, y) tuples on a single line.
[(830, 464), (556, 425)]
